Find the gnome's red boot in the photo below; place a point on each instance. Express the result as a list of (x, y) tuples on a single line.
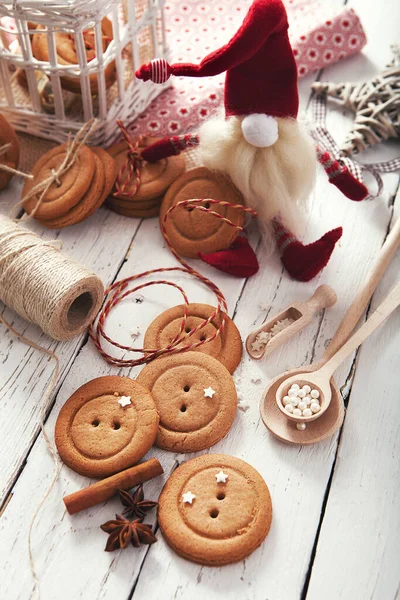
[(304, 262)]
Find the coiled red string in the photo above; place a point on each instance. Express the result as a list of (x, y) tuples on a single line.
[(118, 291)]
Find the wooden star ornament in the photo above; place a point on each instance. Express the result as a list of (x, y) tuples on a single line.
[(375, 104)]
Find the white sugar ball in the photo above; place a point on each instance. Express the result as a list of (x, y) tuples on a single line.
[(306, 388), (307, 412), (295, 386), (314, 394), (297, 412), (294, 401), (292, 393), (307, 400), (289, 408), (301, 426), (302, 405), (285, 400), (301, 393), (315, 407)]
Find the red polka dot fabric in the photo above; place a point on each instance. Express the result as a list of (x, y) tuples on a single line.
[(320, 35)]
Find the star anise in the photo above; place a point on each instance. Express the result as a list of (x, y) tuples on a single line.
[(135, 504), (122, 532)]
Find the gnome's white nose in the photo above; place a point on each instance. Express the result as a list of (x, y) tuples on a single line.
[(260, 130)]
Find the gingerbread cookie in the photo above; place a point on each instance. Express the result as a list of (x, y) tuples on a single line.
[(106, 426), (215, 510), (226, 347), (67, 55), (8, 156), (191, 231), (64, 194), (142, 213), (99, 189), (195, 397), (155, 179)]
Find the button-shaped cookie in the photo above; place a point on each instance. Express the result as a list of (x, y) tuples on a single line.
[(196, 399), (67, 54), (106, 426), (215, 510), (155, 178), (191, 231), (64, 194), (226, 347), (10, 155)]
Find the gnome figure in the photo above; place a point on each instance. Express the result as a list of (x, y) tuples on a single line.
[(257, 140)]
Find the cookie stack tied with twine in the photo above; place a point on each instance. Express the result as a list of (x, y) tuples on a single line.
[(9, 152), (70, 182), (140, 186)]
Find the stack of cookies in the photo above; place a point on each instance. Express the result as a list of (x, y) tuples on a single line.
[(74, 195), (9, 151), (143, 200)]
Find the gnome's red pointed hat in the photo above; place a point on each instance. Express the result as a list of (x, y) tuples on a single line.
[(261, 70)]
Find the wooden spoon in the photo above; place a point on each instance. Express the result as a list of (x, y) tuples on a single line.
[(301, 313), (331, 420), (320, 379)]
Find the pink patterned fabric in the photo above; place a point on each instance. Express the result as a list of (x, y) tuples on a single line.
[(320, 35)]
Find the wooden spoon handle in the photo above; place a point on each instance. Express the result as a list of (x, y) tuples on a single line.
[(360, 302), (323, 297), (391, 302)]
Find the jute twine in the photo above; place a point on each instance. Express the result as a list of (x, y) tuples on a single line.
[(3, 167), (43, 285), (73, 147)]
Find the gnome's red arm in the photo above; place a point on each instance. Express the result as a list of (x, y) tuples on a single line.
[(337, 174), (264, 18)]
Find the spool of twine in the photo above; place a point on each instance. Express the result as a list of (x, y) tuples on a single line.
[(43, 285)]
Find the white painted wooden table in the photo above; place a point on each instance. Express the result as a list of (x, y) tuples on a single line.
[(336, 526)]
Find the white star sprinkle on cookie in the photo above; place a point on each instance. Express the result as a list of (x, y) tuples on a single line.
[(188, 497), (209, 392), (124, 400), (221, 477)]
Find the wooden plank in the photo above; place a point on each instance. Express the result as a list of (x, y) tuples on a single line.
[(25, 373), (360, 532)]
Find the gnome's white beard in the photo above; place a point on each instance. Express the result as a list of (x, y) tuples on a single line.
[(276, 180)]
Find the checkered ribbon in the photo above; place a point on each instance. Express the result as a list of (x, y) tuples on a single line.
[(322, 136)]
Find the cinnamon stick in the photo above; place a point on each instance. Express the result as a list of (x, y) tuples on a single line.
[(107, 488)]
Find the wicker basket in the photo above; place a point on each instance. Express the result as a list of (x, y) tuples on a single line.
[(45, 92)]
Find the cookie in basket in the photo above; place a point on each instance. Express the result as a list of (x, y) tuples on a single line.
[(155, 179), (191, 231), (67, 55), (215, 510), (195, 397), (106, 426), (226, 347), (76, 194), (9, 151)]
